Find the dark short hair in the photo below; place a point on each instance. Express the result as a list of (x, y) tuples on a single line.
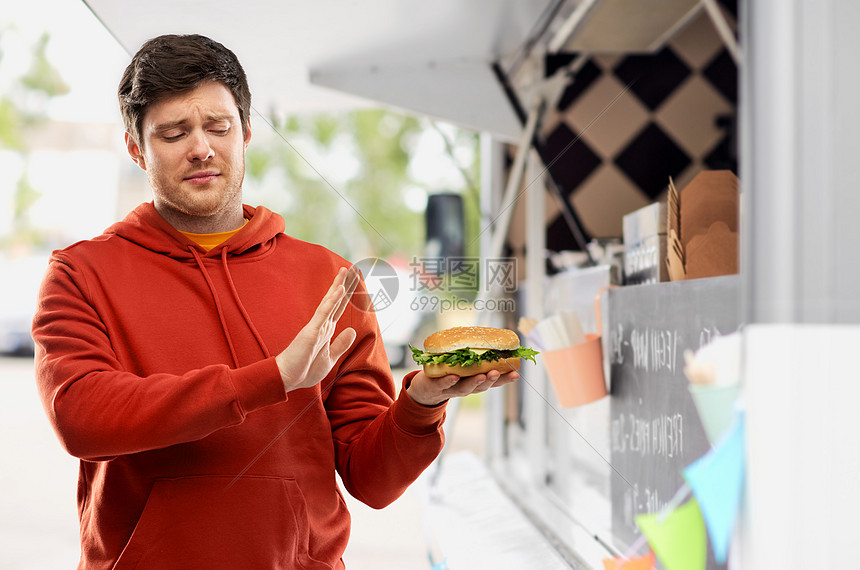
[(174, 64)]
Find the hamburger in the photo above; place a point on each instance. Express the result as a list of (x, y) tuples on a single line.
[(466, 351)]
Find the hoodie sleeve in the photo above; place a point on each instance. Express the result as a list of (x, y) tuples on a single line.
[(382, 444), (100, 411)]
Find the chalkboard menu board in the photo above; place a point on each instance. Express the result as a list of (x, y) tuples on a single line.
[(655, 429)]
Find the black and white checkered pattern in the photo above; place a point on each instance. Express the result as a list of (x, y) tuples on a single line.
[(637, 120)]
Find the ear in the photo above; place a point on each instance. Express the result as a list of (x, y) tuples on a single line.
[(134, 151), (248, 134)]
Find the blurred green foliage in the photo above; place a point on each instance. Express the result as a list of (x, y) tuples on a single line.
[(23, 106), (370, 207)]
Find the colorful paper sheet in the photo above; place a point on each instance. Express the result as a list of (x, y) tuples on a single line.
[(717, 481), (680, 540), (639, 563), (715, 405)]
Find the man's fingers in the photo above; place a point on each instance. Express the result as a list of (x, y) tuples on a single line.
[(340, 293), (313, 352), (339, 278), (351, 280), (341, 343), (456, 386), (336, 299), (449, 381), (331, 307), (330, 301)]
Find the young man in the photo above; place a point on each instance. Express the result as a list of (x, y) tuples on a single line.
[(211, 372)]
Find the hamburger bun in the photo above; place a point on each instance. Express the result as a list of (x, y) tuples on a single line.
[(476, 338), (471, 337), (503, 366)]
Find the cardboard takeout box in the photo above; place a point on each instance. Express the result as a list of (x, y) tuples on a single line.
[(702, 221)]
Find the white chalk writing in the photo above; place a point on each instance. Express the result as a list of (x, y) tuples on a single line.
[(707, 334), (640, 500), (660, 436), (616, 341), (655, 349)]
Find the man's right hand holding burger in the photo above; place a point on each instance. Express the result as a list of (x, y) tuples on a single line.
[(466, 360)]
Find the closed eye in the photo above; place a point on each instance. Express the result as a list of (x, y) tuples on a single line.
[(219, 128)]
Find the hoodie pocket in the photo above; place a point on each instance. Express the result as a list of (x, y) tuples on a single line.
[(216, 522)]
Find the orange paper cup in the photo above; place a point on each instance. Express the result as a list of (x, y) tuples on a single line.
[(576, 372)]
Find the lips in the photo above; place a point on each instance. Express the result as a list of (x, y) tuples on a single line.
[(202, 177)]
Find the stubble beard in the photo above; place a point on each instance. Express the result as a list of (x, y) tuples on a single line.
[(201, 210)]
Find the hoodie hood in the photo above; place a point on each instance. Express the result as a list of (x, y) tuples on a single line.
[(145, 227)]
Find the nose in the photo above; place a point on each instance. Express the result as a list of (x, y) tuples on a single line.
[(199, 148)]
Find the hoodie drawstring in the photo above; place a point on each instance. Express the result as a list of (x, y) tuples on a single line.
[(220, 310), (217, 304), (245, 315)]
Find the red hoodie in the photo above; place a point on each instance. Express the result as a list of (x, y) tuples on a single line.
[(155, 365)]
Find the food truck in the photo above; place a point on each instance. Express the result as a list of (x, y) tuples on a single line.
[(677, 182)]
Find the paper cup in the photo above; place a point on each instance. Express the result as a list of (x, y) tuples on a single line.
[(576, 372), (715, 405)]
